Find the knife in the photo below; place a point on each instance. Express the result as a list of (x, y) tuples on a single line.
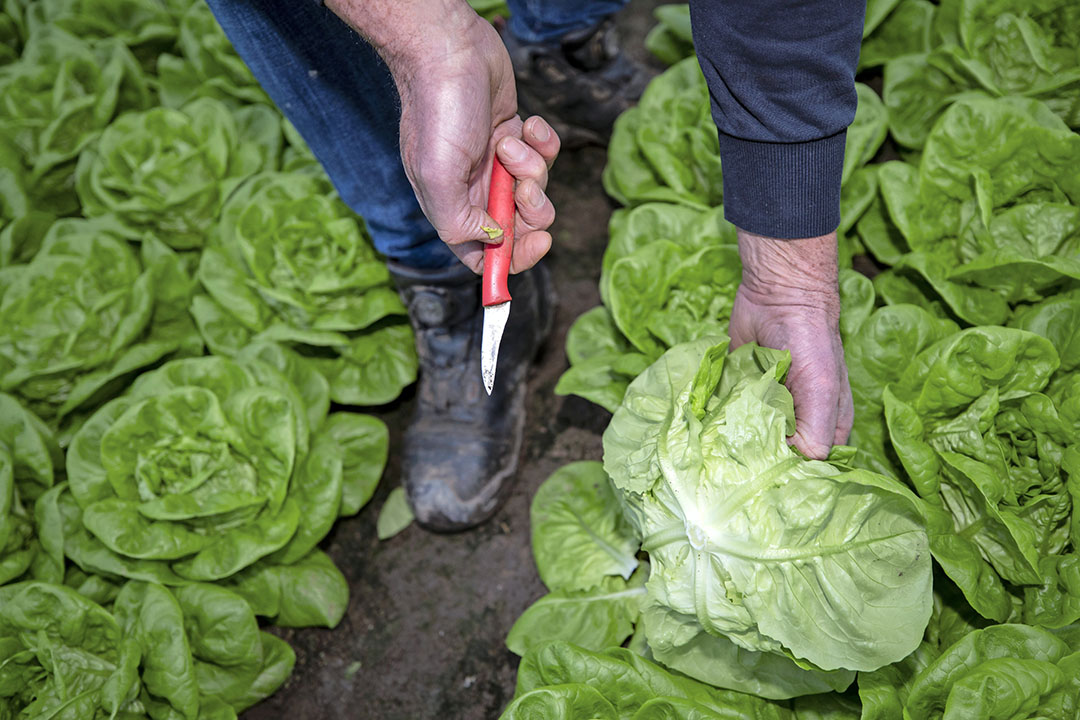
[(496, 296)]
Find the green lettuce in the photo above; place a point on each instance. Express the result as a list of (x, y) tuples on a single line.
[(29, 460), (207, 65), (991, 48), (561, 680), (895, 28), (586, 554), (989, 219), (147, 27), (739, 528), (665, 148), (195, 652), (988, 48), (208, 466), (989, 450), (169, 171), (57, 99), (669, 275), (878, 343), (1015, 671), (671, 40), (289, 262), (86, 313)]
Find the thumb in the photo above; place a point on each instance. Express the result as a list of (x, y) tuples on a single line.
[(473, 225)]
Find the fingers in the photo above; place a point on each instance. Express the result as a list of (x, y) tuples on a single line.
[(527, 157), (522, 161), (529, 249), (845, 417), (473, 225), (816, 412), (542, 137)]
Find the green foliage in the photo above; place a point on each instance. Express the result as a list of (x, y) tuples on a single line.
[(207, 65), (168, 172), (194, 652), (289, 262), (29, 461), (205, 467), (562, 680), (665, 148), (989, 218), (990, 48), (980, 440), (395, 515), (738, 527), (671, 39), (58, 97), (154, 503), (86, 312)]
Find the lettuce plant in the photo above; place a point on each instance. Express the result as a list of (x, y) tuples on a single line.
[(169, 171), (57, 98), (146, 27), (290, 262), (896, 28), (207, 65), (989, 219), (29, 459), (198, 653), (586, 553), (665, 148), (86, 313), (981, 441), (1021, 670), (671, 40), (210, 465), (990, 48), (559, 679), (878, 344), (738, 529), (668, 275)]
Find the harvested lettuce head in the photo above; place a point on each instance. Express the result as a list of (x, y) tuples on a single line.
[(763, 562)]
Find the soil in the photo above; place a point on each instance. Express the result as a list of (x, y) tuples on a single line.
[(424, 633)]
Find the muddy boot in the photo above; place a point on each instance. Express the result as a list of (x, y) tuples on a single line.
[(461, 448), (579, 83)]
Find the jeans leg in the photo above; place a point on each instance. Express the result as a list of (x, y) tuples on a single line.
[(338, 93), (542, 21)]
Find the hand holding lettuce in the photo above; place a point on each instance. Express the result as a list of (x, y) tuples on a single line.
[(752, 548)]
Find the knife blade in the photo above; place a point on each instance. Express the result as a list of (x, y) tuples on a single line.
[(496, 296)]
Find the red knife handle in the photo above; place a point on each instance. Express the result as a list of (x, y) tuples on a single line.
[(497, 255)]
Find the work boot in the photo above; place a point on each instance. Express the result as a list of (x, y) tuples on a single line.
[(579, 84), (461, 449)]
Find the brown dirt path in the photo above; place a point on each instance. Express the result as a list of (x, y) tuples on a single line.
[(423, 635)]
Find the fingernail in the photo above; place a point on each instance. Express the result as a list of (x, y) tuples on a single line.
[(515, 149), (541, 131), (535, 197)]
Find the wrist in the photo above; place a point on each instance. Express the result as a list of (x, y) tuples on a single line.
[(802, 271)]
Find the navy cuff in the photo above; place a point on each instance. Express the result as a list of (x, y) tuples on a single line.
[(783, 190)]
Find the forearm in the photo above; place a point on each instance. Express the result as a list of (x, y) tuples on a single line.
[(408, 33), (781, 77)]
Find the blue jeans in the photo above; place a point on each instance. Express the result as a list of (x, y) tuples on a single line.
[(337, 92)]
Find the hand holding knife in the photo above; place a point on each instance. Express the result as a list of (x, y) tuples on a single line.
[(497, 256)]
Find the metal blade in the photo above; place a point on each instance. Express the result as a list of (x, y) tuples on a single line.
[(494, 323)]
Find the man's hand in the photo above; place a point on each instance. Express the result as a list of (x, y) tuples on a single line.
[(789, 299), (458, 108)]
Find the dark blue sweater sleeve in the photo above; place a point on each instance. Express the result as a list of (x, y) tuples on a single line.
[(781, 76)]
